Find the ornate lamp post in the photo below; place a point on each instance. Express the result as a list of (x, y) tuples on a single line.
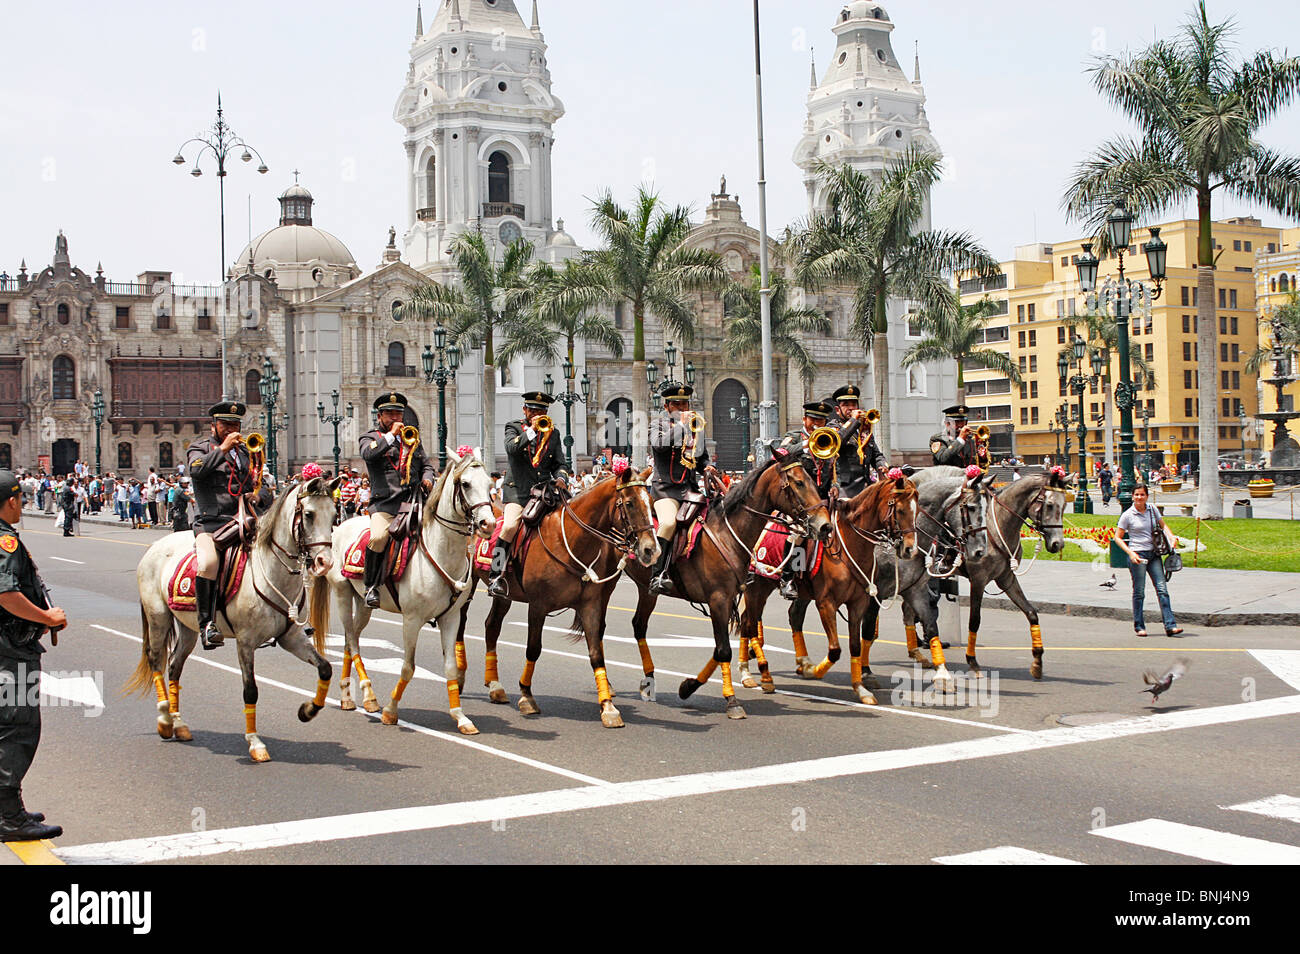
[(568, 398), (670, 357), (222, 141), (334, 419), (1078, 384), (269, 388), (1055, 432), (448, 361), (741, 414), (1063, 420), (97, 408), (1241, 416), (1117, 296), (652, 378), (1144, 412)]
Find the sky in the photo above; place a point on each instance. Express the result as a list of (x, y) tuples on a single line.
[(96, 97)]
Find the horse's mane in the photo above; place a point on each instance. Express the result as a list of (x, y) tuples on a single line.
[(431, 504), (266, 522), (740, 492)]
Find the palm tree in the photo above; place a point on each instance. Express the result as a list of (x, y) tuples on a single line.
[(1198, 111), (743, 324), (487, 306), (644, 261), (953, 335), (562, 312), (869, 238)]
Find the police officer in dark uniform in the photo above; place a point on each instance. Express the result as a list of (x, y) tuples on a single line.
[(535, 458), (382, 450), (25, 615), (680, 456), (221, 472), (955, 445), (859, 452), (822, 472)]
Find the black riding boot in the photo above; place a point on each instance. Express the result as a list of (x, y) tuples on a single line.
[(497, 585), (659, 580), (374, 566), (205, 600), (789, 583)]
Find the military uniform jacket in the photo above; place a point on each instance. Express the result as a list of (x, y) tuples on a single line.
[(672, 478), (18, 572), (952, 451), (822, 472), (219, 479), (855, 474), (382, 452), (523, 475)]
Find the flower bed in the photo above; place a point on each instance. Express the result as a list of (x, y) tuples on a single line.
[(1097, 539)]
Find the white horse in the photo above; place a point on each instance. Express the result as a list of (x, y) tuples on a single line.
[(433, 588), (296, 529)]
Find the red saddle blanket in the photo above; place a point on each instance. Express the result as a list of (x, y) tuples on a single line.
[(769, 552), (354, 560), (181, 595), (684, 550), (483, 549)]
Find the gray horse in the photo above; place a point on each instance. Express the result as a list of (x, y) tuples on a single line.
[(295, 531)]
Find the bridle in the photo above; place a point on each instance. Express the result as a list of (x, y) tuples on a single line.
[(460, 502), (623, 540), (298, 531), (890, 532), (798, 519)]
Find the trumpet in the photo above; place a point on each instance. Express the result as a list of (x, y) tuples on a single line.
[(543, 424), (410, 435), (695, 424), (982, 447), (254, 443), (824, 443)]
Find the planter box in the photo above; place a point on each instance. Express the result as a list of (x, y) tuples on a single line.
[(1169, 486), (1264, 490)]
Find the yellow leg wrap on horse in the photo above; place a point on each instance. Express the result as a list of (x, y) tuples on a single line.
[(322, 690), (707, 671), (453, 693), (173, 697), (159, 686), (800, 647), (744, 649), (401, 688), (647, 663), (490, 672), (361, 669), (250, 718), (603, 692), (823, 667), (866, 652), (759, 656), (936, 651), (727, 690), (855, 670), (911, 638), (760, 632), (461, 661), (1036, 636), (970, 644), (346, 669), (526, 678)]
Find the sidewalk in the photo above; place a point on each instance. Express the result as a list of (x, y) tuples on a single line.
[(104, 517), (1200, 597)]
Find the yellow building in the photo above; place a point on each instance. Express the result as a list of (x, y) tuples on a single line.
[(1277, 272), (1041, 304)]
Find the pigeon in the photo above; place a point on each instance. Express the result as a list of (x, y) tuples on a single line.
[(1158, 684), (1108, 584)]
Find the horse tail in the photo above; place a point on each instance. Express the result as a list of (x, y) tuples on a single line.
[(318, 612), (737, 611), (142, 678), (575, 633)]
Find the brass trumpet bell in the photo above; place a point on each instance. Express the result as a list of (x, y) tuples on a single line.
[(255, 443), (410, 435), (543, 423), (824, 443)]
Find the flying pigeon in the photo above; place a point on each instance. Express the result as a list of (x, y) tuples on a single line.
[(1158, 684), (1108, 584)]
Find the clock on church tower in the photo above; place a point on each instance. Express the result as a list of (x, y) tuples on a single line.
[(509, 232)]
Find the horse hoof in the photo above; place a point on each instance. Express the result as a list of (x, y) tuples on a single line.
[(801, 663), (527, 706), (810, 672), (610, 717), (165, 730), (945, 683), (747, 680), (864, 696), (498, 695), (918, 657), (183, 734), (687, 688), (467, 728), (647, 688), (307, 711), (259, 754), (388, 718), (735, 710), (769, 687), (1036, 669), (347, 705), (371, 705)]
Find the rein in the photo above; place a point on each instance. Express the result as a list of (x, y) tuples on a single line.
[(1039, 501), (462, 528), (294, 568), (621, 543)]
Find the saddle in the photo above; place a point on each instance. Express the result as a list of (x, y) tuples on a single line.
[(770, 552), (483, 549), (543, 498), (397, 557), (182, 589), (691, 516)]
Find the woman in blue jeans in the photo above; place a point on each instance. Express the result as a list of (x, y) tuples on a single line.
[(1140, 523)]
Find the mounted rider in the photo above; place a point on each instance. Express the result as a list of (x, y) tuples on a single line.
[(955, 444), (223, 475), (680, 458), (396, 468), (823, 474), (536, 460), (859, 453)]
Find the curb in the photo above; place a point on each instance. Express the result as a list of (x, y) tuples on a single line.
[(1126, 613)]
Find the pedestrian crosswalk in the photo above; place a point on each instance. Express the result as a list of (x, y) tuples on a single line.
[(1193, 841)]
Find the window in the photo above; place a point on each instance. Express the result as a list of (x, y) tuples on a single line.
[(498, 177), (1033, 335), (1236, 245), (1020, 338), (1232, 299), (252, 387), (1060, 335), (1223, 298), (1187, 324), (396, 359), (65, 379), (1187, 407), (1069, 307), (1062, 387), (1236, 380), (618, 315), (1195, 294), (1146, 325), (1282, 284), (1031, 312), (431, 187), (1224, 378), (1236, 352), (1092, 386), (1227, 407), (124, 456), (1033, 415), (4, 318), (123, 317), (63, 314), (1223, 324), (1024, 415), (1232, 323), (1065, 260), (1020, 313), (203, 320), (1024, 392), (1149, 351), (1187, 351), (1033, 363), (994, 335), (1185, 294), (1187, 379), (1223, 351), (162, 320), (1033, 389), (916, 381), (1060, 306), (1024, 365), (1000, 386), (165, 460)]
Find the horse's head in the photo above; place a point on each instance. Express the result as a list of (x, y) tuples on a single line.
[(314, 513), (1047, 513), (972, 504), (899, 508), (635, 515), (786, 486), (471, 489)]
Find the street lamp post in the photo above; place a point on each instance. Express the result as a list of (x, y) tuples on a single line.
[(1144, 412), (1079, 384), (334, 418), (1118, 297), (97, 408), (1052, 429), (269, 388), (568, 398), (448, 360), (221, 140)]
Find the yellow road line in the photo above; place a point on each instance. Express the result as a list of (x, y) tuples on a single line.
[(1052, 646), (34, 852), (128, 543)]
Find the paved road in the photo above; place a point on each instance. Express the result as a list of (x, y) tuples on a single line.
[(809, 776)]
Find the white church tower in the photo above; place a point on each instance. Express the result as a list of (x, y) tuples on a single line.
[(865, 111), (478, 114)]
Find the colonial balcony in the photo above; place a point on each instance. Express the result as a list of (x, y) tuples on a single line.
[(495, 210), (429, 214), (399, 370)]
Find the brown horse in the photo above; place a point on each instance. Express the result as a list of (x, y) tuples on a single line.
[(716, 572), (574, 560), (882, 516)]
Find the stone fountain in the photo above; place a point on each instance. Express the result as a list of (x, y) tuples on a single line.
[(1284, 459)]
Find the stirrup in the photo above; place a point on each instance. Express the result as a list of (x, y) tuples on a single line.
[(372, 598), (789, 588), (211, 636)]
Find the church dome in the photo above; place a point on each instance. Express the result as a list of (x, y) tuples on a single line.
[(561, 237), (295, 241), (862, 10)]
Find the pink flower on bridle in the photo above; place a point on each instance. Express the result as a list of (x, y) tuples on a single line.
[(973, 471), (1059, 472), (311, 472), (620, 465), (464, 450), (895, 473)]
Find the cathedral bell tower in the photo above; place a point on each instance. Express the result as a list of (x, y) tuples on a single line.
[(478, 114)]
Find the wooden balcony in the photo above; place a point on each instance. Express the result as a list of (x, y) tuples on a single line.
[(426, 215), (495, 210)]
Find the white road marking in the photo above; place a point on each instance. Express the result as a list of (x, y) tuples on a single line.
[(1283, 663), (423, 730), (1004, 855), (1285, 807), (664, 640), (559, 801), (393, 667), (364, 643), (79, 689), (1204, 843), (66, 560)]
